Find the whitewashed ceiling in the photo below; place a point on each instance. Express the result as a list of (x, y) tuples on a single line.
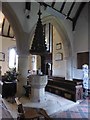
[(69, 10), (5, 27)]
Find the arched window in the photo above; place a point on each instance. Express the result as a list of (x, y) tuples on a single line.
[(48, 31), (13, 58)]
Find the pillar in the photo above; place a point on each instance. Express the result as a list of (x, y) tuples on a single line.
[(23, 70), (69, 69)]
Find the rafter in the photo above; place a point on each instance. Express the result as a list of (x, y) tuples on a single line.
[(77, 14), (28, 6), (46, 5), (27, 9), (8, 31), (3, 26), (53, 3), (62, 7), (70, 9)]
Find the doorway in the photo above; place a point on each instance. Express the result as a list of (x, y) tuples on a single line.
[(46, 64)]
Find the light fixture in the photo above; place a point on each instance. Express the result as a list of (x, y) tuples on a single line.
[(39, 44)]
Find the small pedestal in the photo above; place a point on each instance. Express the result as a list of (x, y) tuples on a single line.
[(38, 83)]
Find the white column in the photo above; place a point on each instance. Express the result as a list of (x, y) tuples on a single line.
[(23, 69), (69, 70)]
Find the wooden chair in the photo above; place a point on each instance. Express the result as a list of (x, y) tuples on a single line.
[(30, 113), (20, 110)]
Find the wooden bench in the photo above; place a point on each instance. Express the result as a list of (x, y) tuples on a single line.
[(71, 90)]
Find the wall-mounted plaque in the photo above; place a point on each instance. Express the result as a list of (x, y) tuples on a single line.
[(59, 56), (58, 46), (2, 56)]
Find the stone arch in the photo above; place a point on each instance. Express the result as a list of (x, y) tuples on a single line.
[(62, 32), (14, 22), (66, 43), (22, 51)]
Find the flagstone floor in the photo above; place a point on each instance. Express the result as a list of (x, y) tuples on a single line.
[(78, 112), (52, 104), (56, 107)]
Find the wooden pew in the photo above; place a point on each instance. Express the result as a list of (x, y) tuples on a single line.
[(71, 90)]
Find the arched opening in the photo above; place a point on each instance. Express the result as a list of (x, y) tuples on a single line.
[(22, 49), (14, 22), (8, 42), (66, 45)]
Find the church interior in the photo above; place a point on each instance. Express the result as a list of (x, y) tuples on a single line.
[(44, 59)]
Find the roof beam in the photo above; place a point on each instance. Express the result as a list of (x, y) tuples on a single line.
[(28, 6), (71, 9), (77, 14), (3, 26), (8, 31), (62, 7), (7, 36), (53, 3), (27, 9), (46, 5)]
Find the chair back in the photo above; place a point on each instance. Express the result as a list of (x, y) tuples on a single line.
[(20, 110)]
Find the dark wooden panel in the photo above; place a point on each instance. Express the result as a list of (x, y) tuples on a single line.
[(9, 89), (48, 58), (82, 58), (71, 90)]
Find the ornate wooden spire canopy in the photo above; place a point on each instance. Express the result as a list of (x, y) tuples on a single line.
[(39, 45)]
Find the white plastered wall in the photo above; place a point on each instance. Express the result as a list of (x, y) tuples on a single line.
[(6, 43), (66, 63), (64, 28), (58, 65), (80, 40)]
